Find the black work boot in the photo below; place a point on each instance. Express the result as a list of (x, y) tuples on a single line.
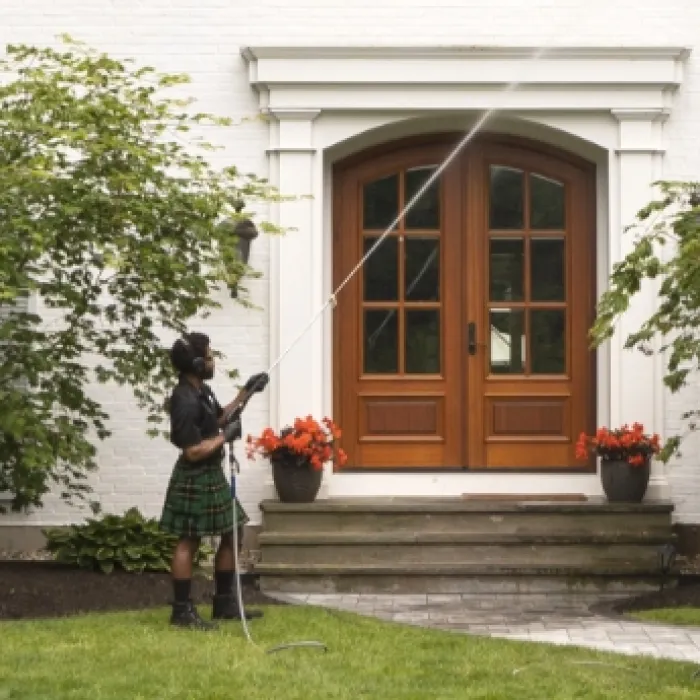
[(186, 615), (225, 607)]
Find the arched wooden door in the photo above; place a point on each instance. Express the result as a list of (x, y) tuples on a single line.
[(462, 342)]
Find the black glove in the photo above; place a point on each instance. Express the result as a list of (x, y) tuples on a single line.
[(233, 431), (257, 382)]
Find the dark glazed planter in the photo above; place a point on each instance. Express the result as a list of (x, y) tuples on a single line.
[(622, 482), (295, 483)]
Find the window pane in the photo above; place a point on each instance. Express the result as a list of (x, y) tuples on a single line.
[(547, 269), (425, 213), (422, 259), (547, 203), (381, 202), (381, 270), (381, 341), (548, 341), (423, 341), (507, 341), (506, 198), (506, 261)]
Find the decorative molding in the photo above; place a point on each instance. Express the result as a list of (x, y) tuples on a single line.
[(460, 51), (292, 130), (289, 149), (644, 115), (641, 130), (464, 78), (296, 115), (636, 84)]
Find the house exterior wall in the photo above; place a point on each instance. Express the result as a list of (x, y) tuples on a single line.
[(205, 39)]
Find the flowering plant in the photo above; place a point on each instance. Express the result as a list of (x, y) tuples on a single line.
[(627, 444), (308, 442)]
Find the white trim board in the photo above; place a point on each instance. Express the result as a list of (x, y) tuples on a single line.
[(465, 77)]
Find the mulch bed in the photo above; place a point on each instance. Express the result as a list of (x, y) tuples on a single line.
[(46, 589), (685, 595)]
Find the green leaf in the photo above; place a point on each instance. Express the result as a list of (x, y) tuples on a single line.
[(672, 329), (92, 150), (107, 566), (104, 553), (92, 544)]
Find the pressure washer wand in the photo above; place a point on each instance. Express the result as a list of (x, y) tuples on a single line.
[(234, 468)]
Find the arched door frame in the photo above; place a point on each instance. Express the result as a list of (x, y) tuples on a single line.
[(432, 148)]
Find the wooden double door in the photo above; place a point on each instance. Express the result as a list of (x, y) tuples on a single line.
[(462, 342)]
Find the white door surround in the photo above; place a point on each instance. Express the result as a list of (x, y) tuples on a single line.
[(324, 102)]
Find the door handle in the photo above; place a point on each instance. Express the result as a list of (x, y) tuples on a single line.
[(471, 338)]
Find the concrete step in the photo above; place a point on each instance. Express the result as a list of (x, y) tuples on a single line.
[(460, 515), (455, 578), (445, 548), (458, 545)]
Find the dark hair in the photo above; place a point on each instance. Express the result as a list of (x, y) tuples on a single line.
[(185, 349)]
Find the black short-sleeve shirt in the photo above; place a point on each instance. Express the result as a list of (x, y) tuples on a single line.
[(194, 414)]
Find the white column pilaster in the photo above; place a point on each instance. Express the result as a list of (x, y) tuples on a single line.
[(637, 379), (294, 290)]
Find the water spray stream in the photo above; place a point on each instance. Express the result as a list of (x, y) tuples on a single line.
[(469, 136)]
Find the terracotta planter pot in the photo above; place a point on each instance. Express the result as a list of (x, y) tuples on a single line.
[(295, 483), (623, 482)]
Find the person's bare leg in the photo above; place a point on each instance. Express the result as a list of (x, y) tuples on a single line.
[(224, 561), (183, 557)]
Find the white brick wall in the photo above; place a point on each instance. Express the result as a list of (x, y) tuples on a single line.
[(203, 39)]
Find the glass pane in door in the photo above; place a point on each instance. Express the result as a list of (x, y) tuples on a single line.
[(422, 268), (547, 203), (548, 341), (506, 198), (547, 269), (507, 341), (381, 346), (423, 341), (381, 269), (380, 202), (506, 269), (425, 212)]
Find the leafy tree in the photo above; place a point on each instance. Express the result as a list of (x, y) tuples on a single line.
[(110, 214), (667, 246)]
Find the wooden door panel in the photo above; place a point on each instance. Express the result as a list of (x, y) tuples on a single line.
[(398, 389), (531, 378), (462, 341)]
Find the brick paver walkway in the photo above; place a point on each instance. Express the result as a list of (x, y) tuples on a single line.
[(554, 619)]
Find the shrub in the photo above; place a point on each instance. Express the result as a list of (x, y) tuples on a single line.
[(129, 542)]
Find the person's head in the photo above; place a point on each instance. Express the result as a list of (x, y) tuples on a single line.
[(192, 355)]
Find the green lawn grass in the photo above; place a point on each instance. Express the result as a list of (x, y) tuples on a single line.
[(137, 656), (671, 616)]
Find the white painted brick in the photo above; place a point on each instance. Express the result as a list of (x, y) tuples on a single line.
[(203, 38)]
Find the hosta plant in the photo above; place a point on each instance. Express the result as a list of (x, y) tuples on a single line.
[(128, 542)]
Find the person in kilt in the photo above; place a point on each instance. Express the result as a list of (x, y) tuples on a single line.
[(198, 500)]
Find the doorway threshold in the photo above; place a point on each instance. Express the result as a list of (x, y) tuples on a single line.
[(539, 497)]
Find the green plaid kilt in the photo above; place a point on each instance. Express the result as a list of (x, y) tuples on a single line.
[(198, 502)]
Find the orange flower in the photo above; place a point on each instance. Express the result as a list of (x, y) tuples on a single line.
[(629, 444), (307, 440)]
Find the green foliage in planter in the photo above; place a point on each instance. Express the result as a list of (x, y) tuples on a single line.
[(129, 542)]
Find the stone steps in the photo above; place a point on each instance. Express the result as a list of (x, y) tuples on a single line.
[(450, 515), (359, 549), (437, 579), (461, 546)]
